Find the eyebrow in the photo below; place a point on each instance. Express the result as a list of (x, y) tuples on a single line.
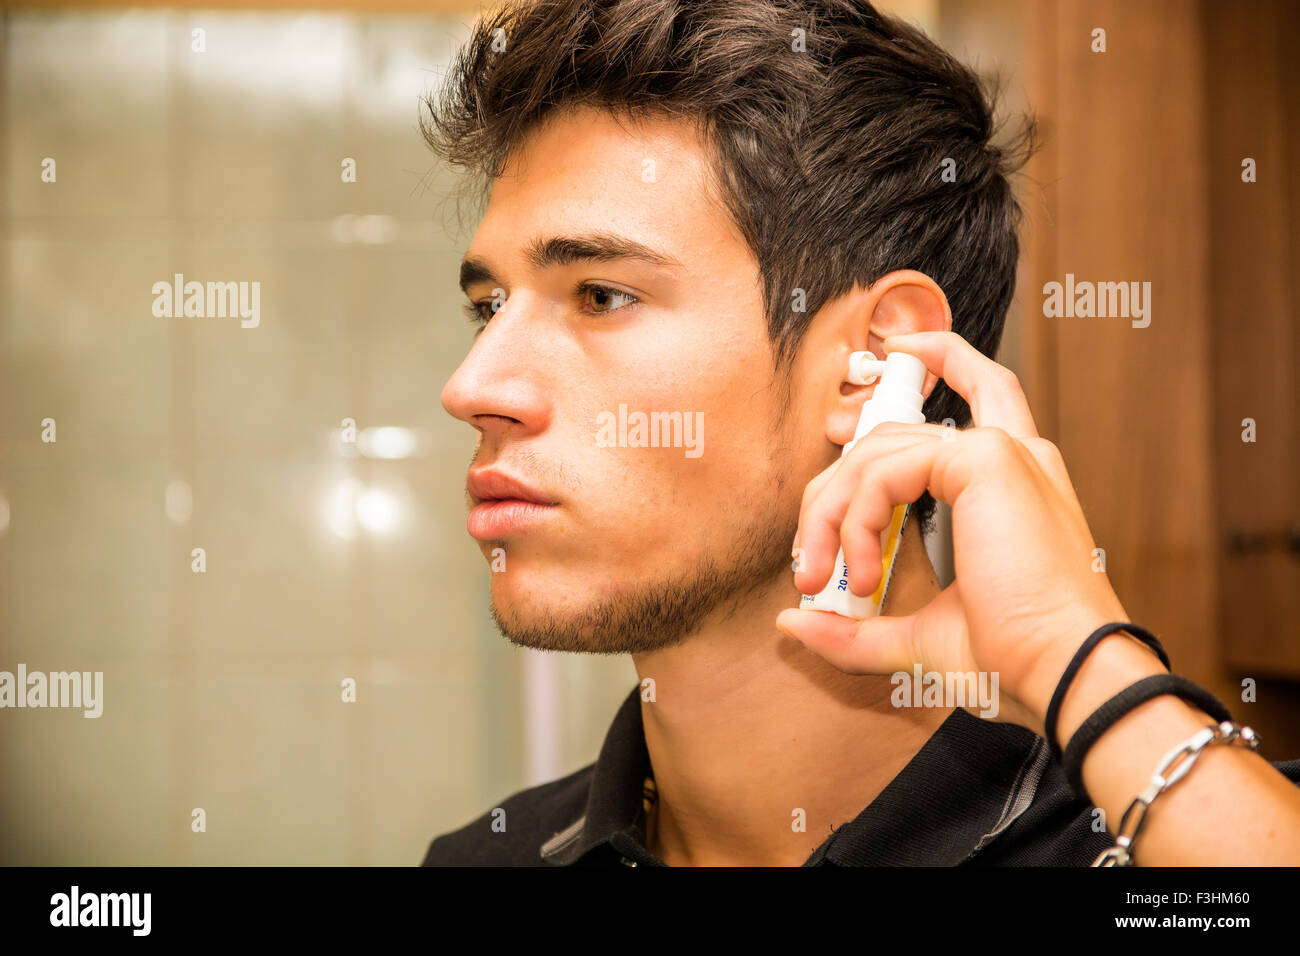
[(567, 250)]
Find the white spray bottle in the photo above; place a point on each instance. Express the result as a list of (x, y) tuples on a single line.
[(897, 398)]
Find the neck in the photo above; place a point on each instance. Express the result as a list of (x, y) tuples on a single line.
[(748, 727)]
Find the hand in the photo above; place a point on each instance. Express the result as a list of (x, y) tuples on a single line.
[(1025, 594)]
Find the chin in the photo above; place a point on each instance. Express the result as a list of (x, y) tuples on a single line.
[(556, 626), (555, 597)]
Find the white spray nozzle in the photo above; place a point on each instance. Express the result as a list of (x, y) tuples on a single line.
[(864, 368)]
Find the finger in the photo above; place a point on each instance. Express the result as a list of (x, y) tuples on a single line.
[(823, 478), (885, 482), (812, 490), (945, 468), (881, 440), (823, 509), (992, 390), (878, 645)]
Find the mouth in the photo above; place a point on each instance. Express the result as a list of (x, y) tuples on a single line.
[(503, 504), (498, 517), (487, 484)]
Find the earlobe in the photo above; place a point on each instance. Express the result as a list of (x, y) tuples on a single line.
[(843, 420)]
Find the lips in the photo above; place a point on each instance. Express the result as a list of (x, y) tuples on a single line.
[(488, 485), (504, 505)]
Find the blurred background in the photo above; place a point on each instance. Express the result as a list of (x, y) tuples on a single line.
[(143, 142)]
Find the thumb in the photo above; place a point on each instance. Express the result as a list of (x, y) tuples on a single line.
[(875, 645)]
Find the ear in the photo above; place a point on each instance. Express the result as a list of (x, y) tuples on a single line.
[(907, 301), (898, 303)]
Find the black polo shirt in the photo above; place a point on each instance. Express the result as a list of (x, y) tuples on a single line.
[(977, 792)]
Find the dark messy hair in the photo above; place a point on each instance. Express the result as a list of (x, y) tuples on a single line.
[(831, 127)]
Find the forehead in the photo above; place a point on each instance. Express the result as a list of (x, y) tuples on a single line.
[(586, 170)]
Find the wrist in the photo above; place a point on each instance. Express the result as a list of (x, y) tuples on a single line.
[(1042, 682), (1118, 661)]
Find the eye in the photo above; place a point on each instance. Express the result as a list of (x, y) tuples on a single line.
[(604, 297), (474, 311), (604, 300)]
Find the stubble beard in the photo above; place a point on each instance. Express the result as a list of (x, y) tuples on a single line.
[(663, 612)]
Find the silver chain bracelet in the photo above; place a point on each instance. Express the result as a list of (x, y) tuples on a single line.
[(1121, 854)]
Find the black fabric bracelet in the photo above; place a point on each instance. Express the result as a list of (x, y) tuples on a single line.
[(1054, 707), (1134, 695)]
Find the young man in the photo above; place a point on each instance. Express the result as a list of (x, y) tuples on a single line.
[(697, 213)]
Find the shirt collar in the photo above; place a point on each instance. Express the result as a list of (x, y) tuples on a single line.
[(969, 781), (966, 784), (614, 798)]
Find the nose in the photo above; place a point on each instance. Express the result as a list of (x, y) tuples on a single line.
[(498, 389)]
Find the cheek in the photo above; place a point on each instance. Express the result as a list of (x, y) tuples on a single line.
[(712, 381), (645, 499)]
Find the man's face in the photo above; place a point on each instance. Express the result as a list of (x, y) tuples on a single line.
[(641, 543)]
